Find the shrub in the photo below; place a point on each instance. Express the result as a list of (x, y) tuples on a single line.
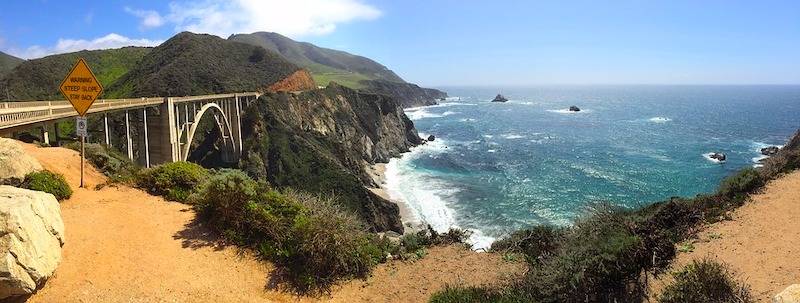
[(744, 182), (705, 281), (316, 241), (49, 182), (175, 181), (109, 161), (536, 243), (469, 294)]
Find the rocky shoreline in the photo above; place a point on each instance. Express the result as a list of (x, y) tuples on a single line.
[(411, 222)]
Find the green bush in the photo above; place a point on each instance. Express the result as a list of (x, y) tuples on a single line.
[(315, 241), (705, 281), (175, 181), (470, 294), (744, 182), (536, 243), (49, 182)]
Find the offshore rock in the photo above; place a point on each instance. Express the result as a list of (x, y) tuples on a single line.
[(769, 151), (718, 156), (15, 163), (32, 236), (574, 109), (500, 98), (431, 138)]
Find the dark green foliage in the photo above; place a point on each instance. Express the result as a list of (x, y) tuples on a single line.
[(175, 181), (197, 64), (315, 241), (705, 281), (49, 182), (473, 294), (537, 243), (412, 245), (741, 184)]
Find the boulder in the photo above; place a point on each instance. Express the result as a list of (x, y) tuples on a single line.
[(431, 138), (718, 156), (769, 151), (31, 236), (789, 295), (574, 109), (500, 98), (15, 163)]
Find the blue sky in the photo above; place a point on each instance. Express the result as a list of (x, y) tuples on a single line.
[(435, 43)]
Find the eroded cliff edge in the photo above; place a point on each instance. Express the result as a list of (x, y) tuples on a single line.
[(320, 140)]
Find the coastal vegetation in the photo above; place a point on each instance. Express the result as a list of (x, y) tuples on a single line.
[(607, 254), (49, 182), (7, 63)]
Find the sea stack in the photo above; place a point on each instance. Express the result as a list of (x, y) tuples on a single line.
[(500, 98), (574, 109), (718, 156)]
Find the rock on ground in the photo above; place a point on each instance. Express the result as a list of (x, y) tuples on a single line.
[(15, 163), (31, 236), (789, 295)]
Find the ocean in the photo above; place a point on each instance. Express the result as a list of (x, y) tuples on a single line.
[(498, 167)]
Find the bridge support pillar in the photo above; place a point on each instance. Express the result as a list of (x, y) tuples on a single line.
[(163, 134)]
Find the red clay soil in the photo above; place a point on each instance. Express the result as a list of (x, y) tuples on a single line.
[(124, 245), (761, 243)]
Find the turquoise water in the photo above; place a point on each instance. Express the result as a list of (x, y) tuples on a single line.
[(498, 167)]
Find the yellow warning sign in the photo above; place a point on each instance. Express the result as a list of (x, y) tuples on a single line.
[(80, 87)]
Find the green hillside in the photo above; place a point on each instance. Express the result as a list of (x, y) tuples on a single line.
[(325, 64), (194, 64), (39, 79), (7, 63)]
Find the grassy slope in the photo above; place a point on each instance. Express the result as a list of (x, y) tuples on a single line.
[(325, 64), (40, 79)]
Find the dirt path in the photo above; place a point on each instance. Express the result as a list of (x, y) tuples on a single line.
[(762, 242), (123, 245)]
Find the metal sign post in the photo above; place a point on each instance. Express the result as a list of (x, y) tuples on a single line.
[(81, 88)]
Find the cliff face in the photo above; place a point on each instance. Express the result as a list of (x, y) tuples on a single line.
[(319, 141), (787, 159), (406, 94), (300, 80)]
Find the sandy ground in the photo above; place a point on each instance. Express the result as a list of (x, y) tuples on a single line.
[(123, 245), (761, 243)]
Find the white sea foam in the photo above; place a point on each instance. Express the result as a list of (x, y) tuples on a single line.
[(491, 151), (488, 136), (567, 111), (449, 113), (513, 136), (421, 113), (659, 119)]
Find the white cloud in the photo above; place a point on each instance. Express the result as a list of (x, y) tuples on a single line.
[(291, 18), (150, 19), (72, 45)]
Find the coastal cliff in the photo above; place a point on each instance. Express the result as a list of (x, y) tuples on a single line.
[(320, 141), (406, 94)]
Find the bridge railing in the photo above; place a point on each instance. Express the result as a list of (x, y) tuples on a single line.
[(17, 114)]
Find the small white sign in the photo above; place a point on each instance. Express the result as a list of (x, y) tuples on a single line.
[(81, 126)]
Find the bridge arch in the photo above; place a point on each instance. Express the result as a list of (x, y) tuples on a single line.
[(224, 127)]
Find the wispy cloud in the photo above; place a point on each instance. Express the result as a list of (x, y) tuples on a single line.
[(150, 19), (73, 45), (292, 18), (89, 18)]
